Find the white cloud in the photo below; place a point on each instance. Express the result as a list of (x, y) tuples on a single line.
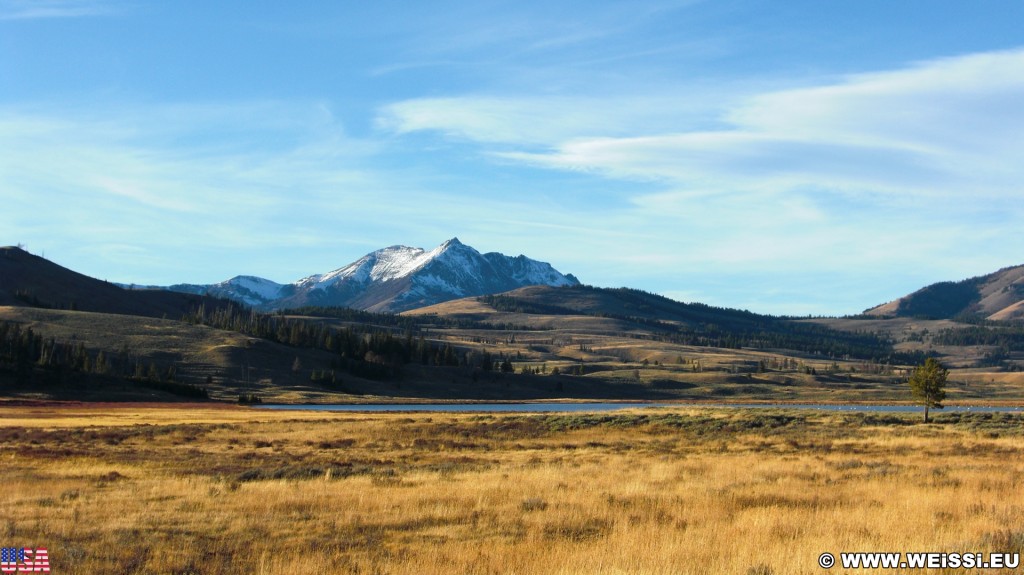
[(35, 9), (177, 179), (852, 178), (546, 120), (858, 178), (943, 127), (200, 192)]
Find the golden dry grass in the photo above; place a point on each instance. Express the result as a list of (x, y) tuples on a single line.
[(200, 490)]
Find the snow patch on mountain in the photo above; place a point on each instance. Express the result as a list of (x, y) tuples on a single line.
[(395, 278), (251, 290), (382, 265)]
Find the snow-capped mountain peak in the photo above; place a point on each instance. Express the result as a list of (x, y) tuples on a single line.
[(382, 265), (260, 287), (388, 264), (250, 290), (398, 278)]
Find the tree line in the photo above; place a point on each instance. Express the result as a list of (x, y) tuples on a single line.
[(33, 360), (371, 350), (1010, 337), (406, 322), (709, 326)]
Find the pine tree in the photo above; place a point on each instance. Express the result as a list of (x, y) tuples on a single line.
[(928, 384)]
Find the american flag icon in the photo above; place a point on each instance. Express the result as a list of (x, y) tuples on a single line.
[(24, 560)]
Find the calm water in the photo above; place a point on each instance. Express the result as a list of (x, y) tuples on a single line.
[(487, 407), (605, 406), (877, 408)]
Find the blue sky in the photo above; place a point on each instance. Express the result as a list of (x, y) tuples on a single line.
[(798, 157)]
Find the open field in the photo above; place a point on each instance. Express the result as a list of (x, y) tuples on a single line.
[(232, 490)]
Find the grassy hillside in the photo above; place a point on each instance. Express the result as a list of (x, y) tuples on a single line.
[(497, 356), (685, 323), (223, 362), (32, 281), (528, 344), (996, 296)]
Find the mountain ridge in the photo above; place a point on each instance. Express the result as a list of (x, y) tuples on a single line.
[(393, 279), (995, 296), (28, 279)]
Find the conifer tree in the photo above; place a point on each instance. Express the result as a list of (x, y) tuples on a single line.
[(928, 384)]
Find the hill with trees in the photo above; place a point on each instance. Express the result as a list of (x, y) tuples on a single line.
[(65, 335), (30, 280), (997, 296)]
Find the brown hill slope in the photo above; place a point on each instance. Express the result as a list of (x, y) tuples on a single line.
[(621, 303), (998, 295), (29, 280), (560, 343), (224, 363)]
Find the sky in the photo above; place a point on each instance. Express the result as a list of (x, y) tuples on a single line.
[(792, 158)]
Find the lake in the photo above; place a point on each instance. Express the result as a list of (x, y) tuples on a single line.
[(556, 407), (540, 407)]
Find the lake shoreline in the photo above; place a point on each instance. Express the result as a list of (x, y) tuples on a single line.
[(556, 407)]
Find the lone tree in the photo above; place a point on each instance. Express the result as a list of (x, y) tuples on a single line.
[(928, 384)]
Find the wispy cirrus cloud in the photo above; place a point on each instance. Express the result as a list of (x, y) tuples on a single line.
[(179, 177), (549, 121), (949, 126), (278, 186), (867, 171), (945, 130), (36, 9)]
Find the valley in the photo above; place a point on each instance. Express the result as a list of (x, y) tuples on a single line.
[(124, 448), (537, 342), (665, 287), (567, 356)]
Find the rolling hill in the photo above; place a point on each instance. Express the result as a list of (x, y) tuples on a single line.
[(30, 280), (624, 310), (996, 296), (66, 335)]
